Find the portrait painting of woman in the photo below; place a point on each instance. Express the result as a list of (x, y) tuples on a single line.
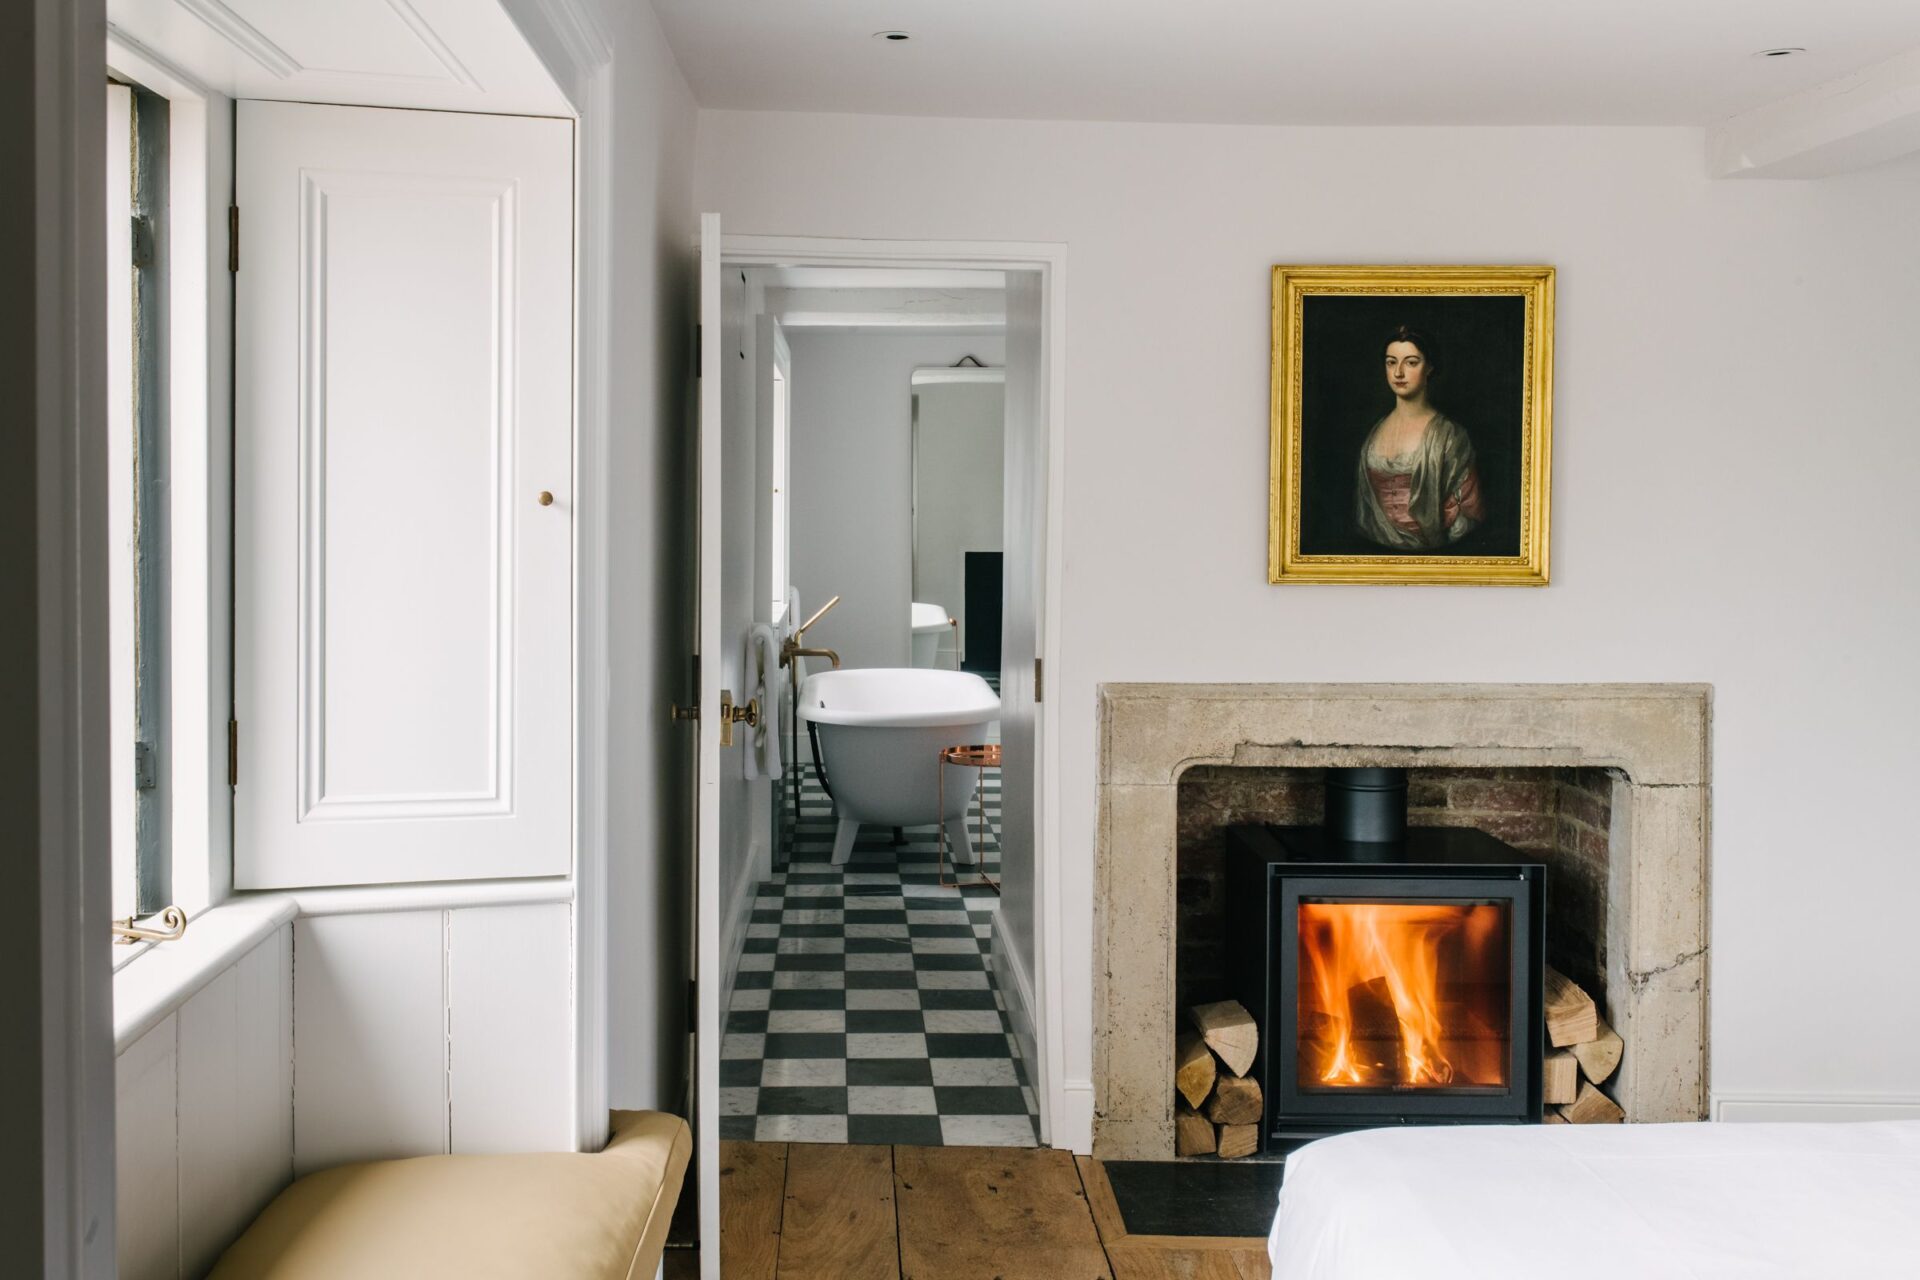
[(1417, 486), (1410, 430)]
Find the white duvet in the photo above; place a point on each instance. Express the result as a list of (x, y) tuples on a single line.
[(1606, 1202)]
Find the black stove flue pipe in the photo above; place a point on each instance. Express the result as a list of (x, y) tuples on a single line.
[(1367, 806)]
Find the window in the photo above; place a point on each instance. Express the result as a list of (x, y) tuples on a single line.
[(137, 420)]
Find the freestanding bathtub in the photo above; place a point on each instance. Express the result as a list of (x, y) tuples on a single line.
[(880, 731)]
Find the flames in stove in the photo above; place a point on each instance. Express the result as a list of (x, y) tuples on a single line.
[(1402, 995)]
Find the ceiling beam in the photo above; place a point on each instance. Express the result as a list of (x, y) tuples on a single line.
[(1855, 122), (807, 308)]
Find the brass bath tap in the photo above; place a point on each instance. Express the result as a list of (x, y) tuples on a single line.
[(790, 647)]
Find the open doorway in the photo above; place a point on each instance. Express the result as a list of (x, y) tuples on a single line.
[(883, 449)]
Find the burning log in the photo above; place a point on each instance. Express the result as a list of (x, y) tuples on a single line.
[(1193, 1070), (1238, 1140), (1192, 1133), (1377, 1046), (1600, 1056), (1559, 1078), (1571, 1017), (1592, 1107), (1236, 1100), (1229, 1030)]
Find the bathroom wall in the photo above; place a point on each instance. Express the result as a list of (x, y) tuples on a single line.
[(1730, 455), (852, 476)]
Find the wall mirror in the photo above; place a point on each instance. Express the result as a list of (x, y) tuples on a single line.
[(958, 473)]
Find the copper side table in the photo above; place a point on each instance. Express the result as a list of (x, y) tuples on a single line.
[(982, 757)]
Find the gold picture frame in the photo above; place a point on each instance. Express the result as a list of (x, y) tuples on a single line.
[(1341, 510)]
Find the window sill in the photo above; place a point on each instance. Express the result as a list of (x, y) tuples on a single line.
[(161, 977)]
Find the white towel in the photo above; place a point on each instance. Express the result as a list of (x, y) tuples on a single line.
[(789, 629), (760, 672)]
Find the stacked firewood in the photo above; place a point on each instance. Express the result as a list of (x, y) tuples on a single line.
[(1583, 1052), (1220, 1107)]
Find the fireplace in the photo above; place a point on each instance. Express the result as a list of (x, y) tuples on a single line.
[(1629, 876), (1393, 982)]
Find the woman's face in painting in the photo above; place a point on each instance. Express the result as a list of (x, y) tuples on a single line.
[(1406, 370)]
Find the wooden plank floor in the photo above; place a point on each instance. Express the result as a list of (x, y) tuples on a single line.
[(811, 1211)]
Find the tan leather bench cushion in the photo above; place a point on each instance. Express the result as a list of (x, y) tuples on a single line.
[(554, 1215)]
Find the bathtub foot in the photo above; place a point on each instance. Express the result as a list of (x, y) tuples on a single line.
[(960, 841), (843, 838), (899, 836)]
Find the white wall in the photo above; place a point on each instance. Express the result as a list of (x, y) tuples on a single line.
[(1732, 452), (852, 468), (650, 606), (958, 465)]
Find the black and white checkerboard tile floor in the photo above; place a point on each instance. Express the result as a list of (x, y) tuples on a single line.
[(866, 1008)]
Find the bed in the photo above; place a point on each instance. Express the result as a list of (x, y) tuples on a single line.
[(1612, 1202)]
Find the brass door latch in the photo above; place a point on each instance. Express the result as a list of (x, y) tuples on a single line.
[(174, 920), (731, 715)]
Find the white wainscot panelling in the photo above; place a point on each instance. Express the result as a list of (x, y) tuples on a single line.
[(419, 1032), (369, 1036), (147, 1175), (236, 1100), (204, 1127), (510, 1016)]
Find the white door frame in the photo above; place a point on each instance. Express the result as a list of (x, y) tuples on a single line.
[(1066, 1107)]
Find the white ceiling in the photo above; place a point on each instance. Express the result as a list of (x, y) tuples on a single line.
[(1280, 61)]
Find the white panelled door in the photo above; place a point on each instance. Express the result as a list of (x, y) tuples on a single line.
[(402, 496)]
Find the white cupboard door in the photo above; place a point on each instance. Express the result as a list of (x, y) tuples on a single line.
[(403, 496), (706, 956)]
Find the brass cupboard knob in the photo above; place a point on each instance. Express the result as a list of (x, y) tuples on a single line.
[(546, 498)]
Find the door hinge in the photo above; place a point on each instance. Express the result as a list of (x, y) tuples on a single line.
[(142, 242), (233, 237), (699, 348), (145, 772), (693, 1006), (1038, 684), (233, 753)]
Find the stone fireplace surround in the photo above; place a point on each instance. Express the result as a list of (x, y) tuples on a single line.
[(1656, 737)]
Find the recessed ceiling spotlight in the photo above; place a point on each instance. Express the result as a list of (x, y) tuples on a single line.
[(891, 35), (1785, 51)]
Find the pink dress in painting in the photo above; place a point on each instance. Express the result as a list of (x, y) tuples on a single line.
[(1425, 498)]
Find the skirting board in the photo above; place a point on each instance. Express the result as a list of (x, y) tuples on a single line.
[(1749, 1107), (733, 935), (1017, 987)]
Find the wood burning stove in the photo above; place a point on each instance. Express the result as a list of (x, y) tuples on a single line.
[(1396, 980)]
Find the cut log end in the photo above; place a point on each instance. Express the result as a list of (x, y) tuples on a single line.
[(1238, 1140), (1571, 1016), (1192, 1133), (1236, 1100), (1229, 1030), (1193, 1069), (1559, 1078), (1599, 1057), (1592, 1107)]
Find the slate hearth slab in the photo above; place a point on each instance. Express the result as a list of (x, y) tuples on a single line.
[(1196, 1197)]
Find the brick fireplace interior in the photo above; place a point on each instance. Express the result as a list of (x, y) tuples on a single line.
[(1561, 815)]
